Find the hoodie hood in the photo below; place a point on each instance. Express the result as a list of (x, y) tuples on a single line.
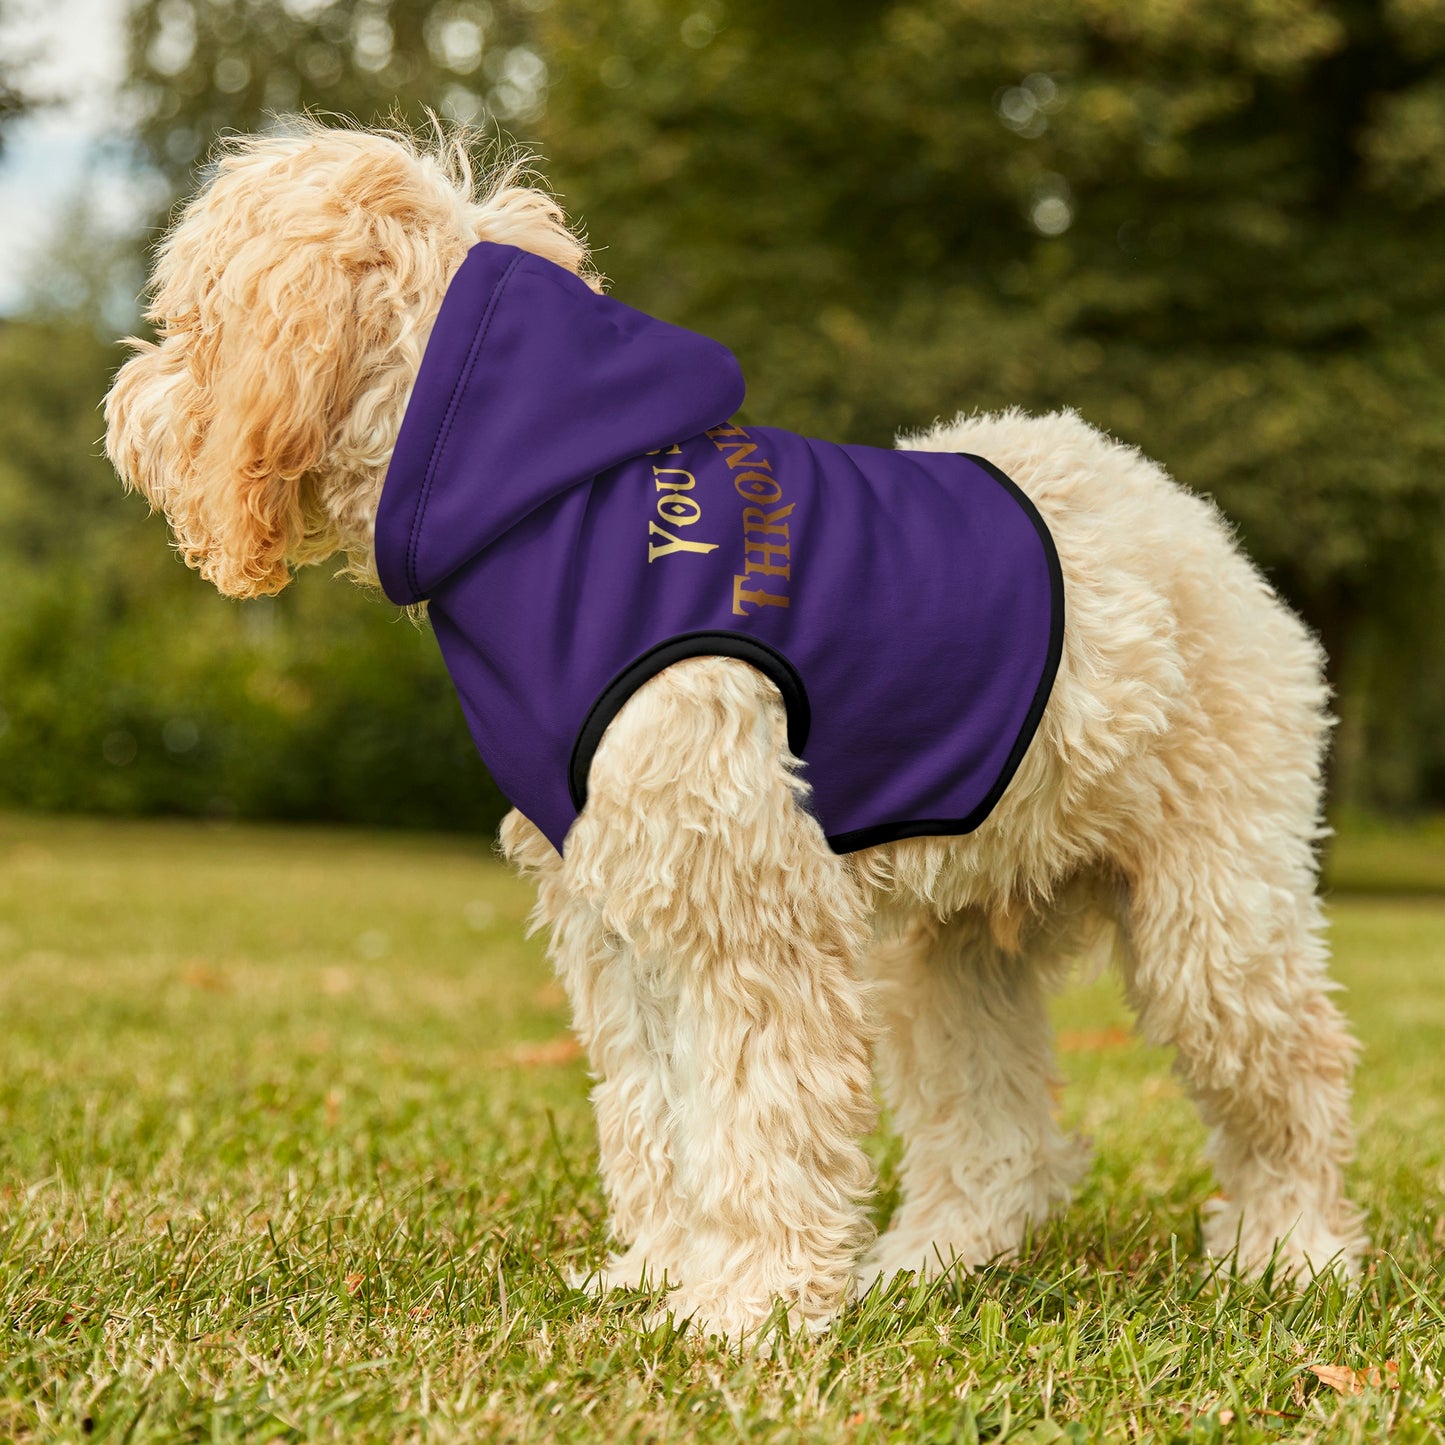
[(531, 384)]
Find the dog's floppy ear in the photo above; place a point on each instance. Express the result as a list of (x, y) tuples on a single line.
[(278, 362), (272, 355), (221, 423), (283, 300)]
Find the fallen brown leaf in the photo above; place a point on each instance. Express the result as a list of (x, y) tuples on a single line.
[(197, 973), (561, 1050), (1090, 1041), (354, 1282), (1347, 1381)]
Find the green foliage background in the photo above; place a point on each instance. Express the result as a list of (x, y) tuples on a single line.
[(1215, 227)]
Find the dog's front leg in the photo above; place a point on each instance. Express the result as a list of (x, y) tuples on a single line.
[(744, 929), (625, 1028)]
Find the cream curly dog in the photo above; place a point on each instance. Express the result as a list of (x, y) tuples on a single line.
[(732, 975)]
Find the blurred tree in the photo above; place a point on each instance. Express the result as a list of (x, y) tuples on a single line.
[(52, 374), (14, 100), (127, 685), (201, 67), (1216, 227)]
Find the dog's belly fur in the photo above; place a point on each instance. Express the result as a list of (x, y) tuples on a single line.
[(1173, 788)]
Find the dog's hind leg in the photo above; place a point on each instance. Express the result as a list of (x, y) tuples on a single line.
[(697, 854), (966, 1061), (1228, 965)]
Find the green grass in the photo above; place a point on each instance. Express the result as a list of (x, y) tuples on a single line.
[(284, 1155), (1369, 855)]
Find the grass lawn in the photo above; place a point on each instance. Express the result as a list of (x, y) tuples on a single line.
[(293, 1146)]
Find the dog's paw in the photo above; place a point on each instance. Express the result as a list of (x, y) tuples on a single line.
[(925, 1260), (740, 1323), (633, 1270), (927, 1253), (1298, 1245), (965, 1228)]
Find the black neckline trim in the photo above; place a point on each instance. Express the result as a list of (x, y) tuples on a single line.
[(768, 660), (773, 665)]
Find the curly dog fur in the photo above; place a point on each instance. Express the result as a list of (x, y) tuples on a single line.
[(731, 978)]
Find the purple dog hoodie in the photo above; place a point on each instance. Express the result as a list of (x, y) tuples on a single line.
[(571, 495)]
